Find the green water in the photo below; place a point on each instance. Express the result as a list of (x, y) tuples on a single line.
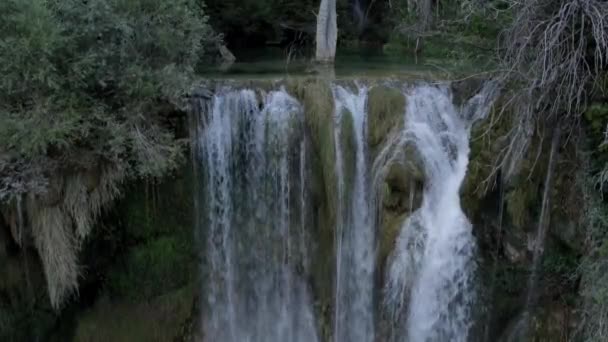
[(354, 62)]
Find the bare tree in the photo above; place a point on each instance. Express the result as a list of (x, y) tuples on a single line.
[(424, 13), (553, 54), (327, 31)]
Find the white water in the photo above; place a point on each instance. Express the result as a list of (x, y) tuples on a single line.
[(253, 263), (355, 254), (429, 291), (257, 217)]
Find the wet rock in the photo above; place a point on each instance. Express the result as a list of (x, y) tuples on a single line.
[(552, 322), (465, 89), (515, 245), (165, 318), (403, 188), (568, 233), (386, 107)]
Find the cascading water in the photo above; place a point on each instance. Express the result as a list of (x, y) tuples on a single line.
[(355, 254), (429, 289), (256, 211), (254, 266)]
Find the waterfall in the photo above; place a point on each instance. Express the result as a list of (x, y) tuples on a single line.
[(429, 286), (355, 254), (256, 212), (254, 262)]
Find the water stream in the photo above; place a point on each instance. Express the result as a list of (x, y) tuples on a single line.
[(257, 213), (355, 256), (255, 262), (430, 287)]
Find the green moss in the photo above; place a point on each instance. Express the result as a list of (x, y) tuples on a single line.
[(485, 144), (322, 270), (164, 318), (317, 98), (153, 268), (596, 116), (389, 231), (348, 146), (386, 108), (560, 265), (519, 201), (394, 48), (510, 286), (154, 246), (25, 310), (153, 209)]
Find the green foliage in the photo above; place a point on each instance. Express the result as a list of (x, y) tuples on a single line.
[(597, 116), (462, 32), (255, 16), (519, 201), (25, 312), (594, 268), (258, 22), (89, 78), (150, 210), (158, 250), (87, 87), (153, 268), (164, 318), (560, 263)]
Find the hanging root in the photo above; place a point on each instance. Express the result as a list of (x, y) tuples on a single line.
[(57, 246), (58, 229)]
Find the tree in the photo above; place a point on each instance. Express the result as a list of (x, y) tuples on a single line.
[(327, 32), (85, 91)]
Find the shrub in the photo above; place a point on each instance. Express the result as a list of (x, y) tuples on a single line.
[(85, 89)]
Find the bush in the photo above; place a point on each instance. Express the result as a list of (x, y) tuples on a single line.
[(85, 92), (154, 268), (91, 77)]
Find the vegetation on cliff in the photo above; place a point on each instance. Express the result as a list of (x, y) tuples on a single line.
[(86, 97), (91, 99)]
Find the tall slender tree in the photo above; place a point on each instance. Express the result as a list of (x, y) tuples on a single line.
[(327, 31)]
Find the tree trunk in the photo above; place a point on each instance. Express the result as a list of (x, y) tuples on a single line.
[(327, 31)]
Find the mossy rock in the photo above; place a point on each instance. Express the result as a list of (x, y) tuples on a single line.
[(317, 99), (322, 271), (164, 318), (464, 90), (348, 146), (389, 231), (25, 309), (403, 179), (596, 117), (552, 322), (153, 209), (386, 108), (518, 203), (153, 268)]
